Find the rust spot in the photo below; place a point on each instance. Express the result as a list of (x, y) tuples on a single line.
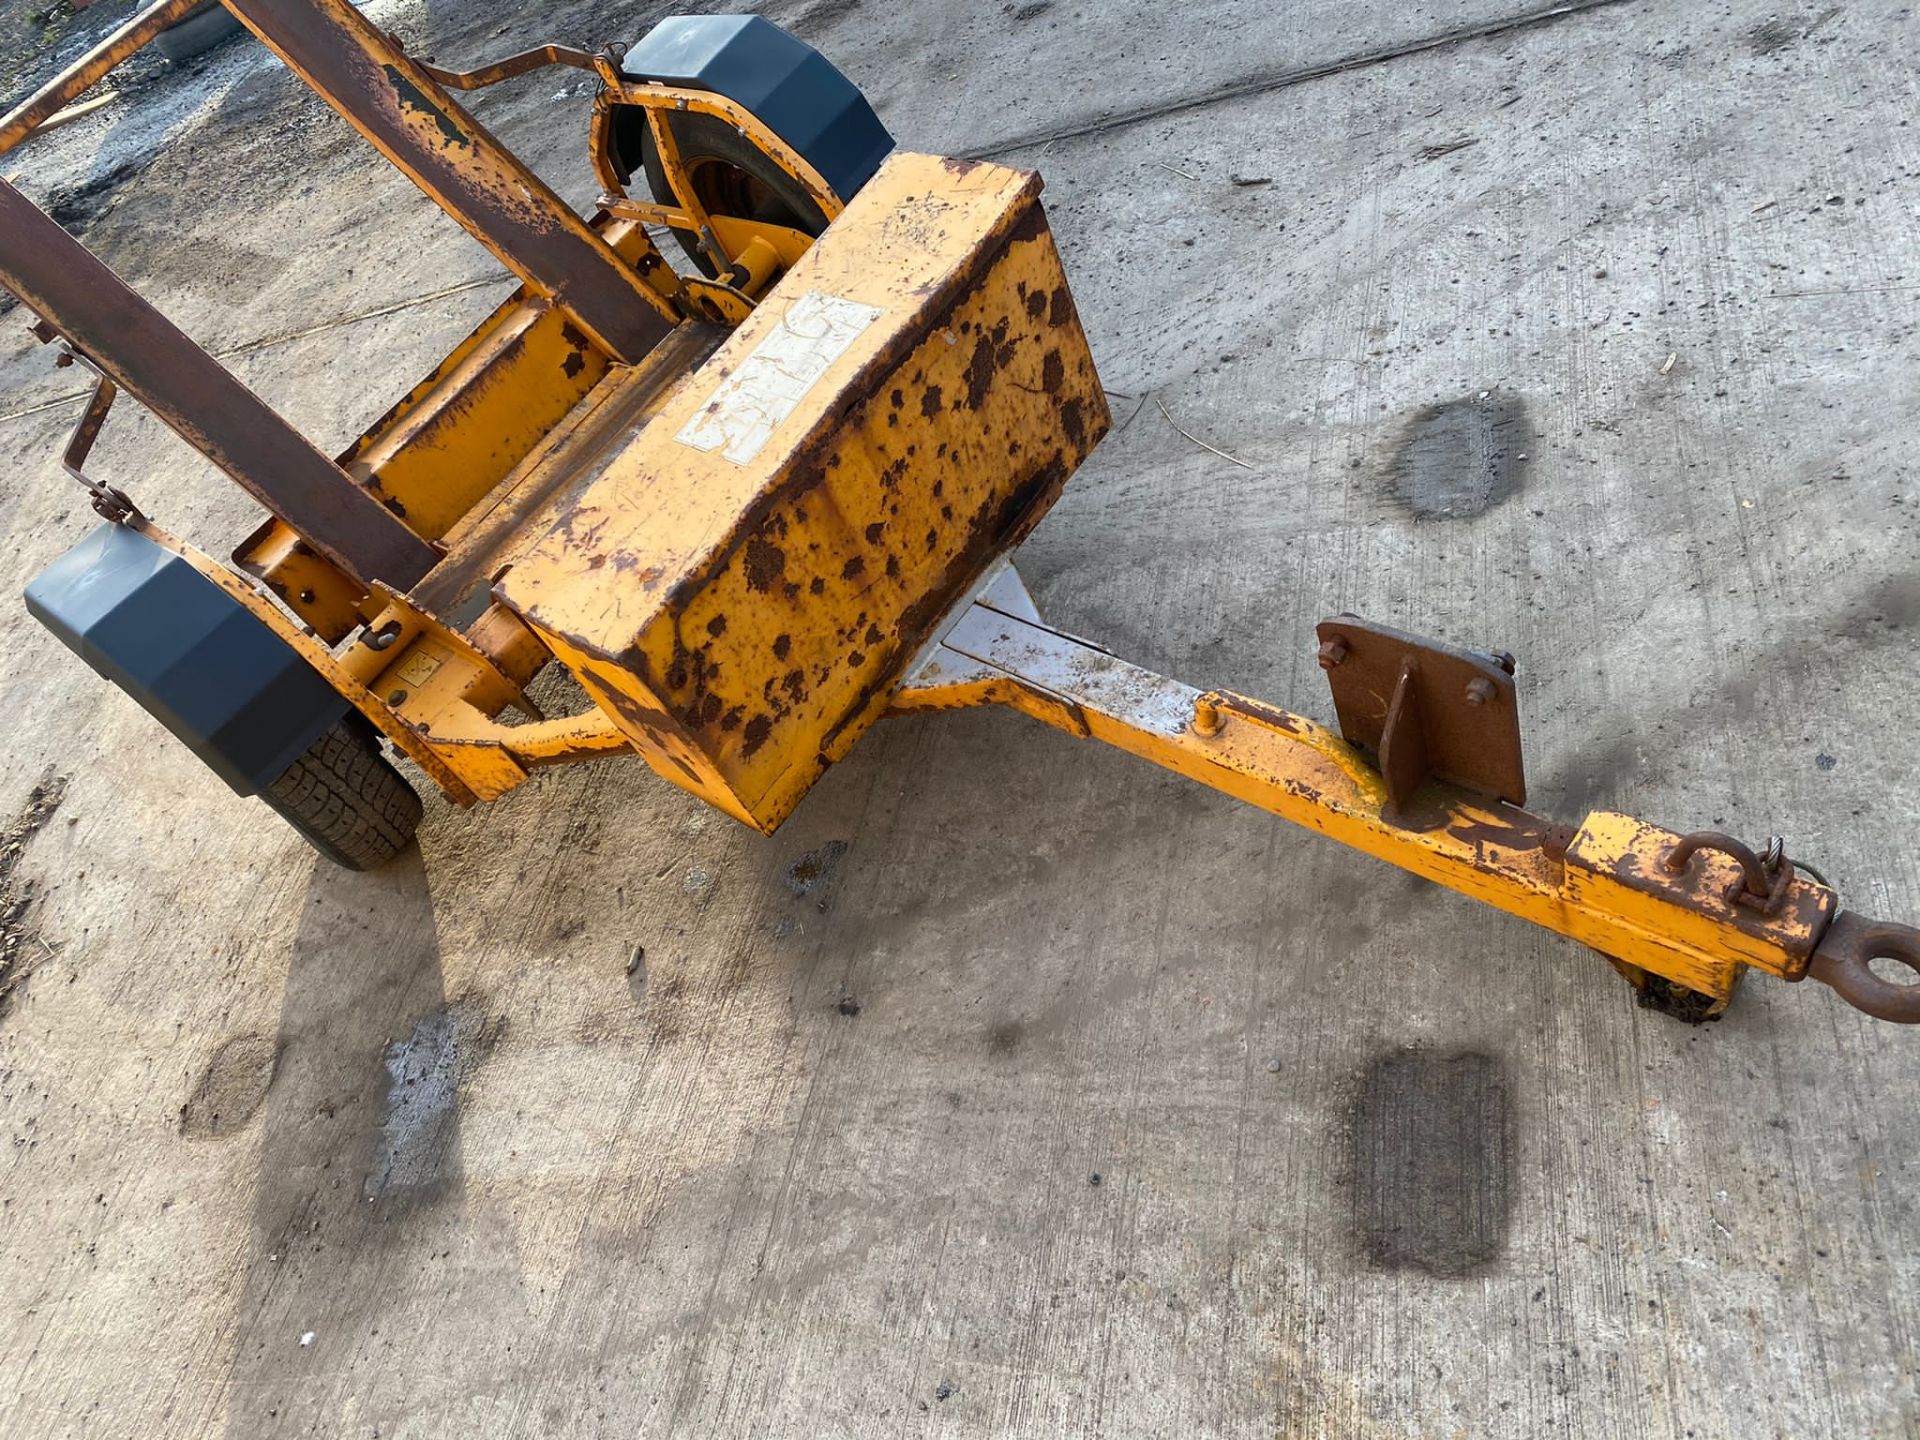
[(677, 678), (756, 734), (816, 586), (899, 398), (1053, 373), (781, 645), (411, 98), (1060, 312), (856, 658), (794, 682), (1029, 226), (717, 626), (893, 567), (980, 372), (930, 403), (573, 364), (731, 720), (1272, 716), (873, 635), (853, 567), (392, 502), (1036, 303), (1074, 422), (766, 565), (875, 531)]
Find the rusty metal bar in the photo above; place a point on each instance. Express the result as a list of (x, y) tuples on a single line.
[(392, 100), (89, 70), (157, 363), (524, 63)]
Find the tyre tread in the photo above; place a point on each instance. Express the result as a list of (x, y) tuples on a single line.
[(347, 800)]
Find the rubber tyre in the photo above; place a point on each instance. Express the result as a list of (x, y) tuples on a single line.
[(199, 32), (346, 799), (730, 175)]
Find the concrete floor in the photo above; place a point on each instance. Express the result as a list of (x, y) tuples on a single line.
[(299, 1152)]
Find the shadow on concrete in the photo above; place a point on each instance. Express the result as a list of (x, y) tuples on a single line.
[(362, 1229)]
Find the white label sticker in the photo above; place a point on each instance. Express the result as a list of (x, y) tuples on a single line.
[(776, 376)]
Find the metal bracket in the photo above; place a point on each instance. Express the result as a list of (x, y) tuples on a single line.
[(1427, 711), (109, 501)]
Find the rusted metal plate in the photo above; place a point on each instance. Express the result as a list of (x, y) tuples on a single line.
[(199, 399), (745, 585), (1426, 710), (396, 104)]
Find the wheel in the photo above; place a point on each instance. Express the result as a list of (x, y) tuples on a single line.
[(346, 799), (730, 176), (200, 31)]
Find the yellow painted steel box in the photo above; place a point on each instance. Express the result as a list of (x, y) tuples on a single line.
[(744, 585)]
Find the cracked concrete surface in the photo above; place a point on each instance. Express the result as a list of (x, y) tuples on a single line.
[(1015, 1088)]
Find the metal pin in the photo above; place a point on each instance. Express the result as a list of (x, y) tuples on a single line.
[(1207, 719)]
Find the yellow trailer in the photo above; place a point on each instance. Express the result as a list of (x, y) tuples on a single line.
[(756, 491)]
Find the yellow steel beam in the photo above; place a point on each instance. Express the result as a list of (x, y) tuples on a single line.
[(1606, 883)]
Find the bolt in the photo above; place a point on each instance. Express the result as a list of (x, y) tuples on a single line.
[(306, 597), (1479, 692), (1333, 652), (1207, 719), (398, 697)]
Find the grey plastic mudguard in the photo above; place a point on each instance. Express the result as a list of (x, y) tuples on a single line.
[(239, 696), (791, 86)]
